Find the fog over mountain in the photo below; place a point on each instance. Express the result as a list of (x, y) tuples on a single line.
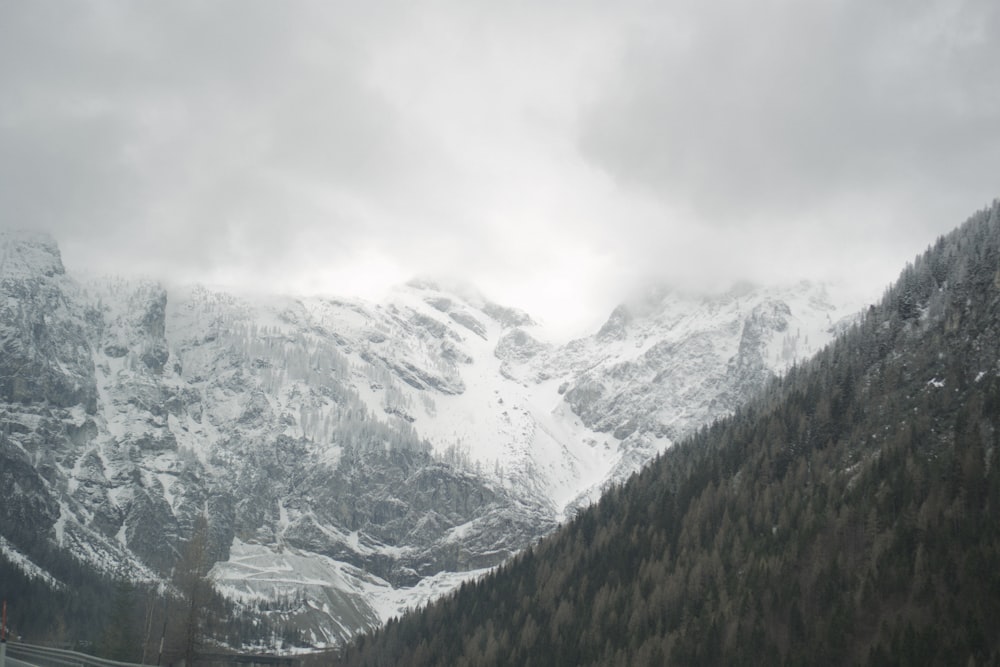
[(558, 155), (309, 311)]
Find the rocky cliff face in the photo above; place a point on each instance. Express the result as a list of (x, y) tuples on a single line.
[(359, 456), (128, 411)]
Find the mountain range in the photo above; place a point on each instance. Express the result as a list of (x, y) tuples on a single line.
[(356, 458)]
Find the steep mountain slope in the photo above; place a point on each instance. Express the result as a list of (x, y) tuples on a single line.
[(357, 457), (848, 515), (669, 362), (126, 417)]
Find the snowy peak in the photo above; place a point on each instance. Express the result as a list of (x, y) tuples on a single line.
[(667, 362), (795, 312), (26, 254), (442, 294)]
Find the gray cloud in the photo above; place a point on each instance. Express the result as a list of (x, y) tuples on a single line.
[(206, 138), (777, 113), (558, 154)]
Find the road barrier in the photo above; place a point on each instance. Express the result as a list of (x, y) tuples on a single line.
[(44, 656), (20, 654)]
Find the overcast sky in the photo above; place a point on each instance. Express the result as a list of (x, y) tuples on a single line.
[(557, 154)]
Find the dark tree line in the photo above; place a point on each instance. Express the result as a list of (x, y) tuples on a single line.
[(848, 515)]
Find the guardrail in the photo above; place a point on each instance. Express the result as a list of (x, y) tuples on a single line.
[(43, 656)]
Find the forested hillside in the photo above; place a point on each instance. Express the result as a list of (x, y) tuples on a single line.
[(849, 515)]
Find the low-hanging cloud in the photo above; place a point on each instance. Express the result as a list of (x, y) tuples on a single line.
[(558, 154)]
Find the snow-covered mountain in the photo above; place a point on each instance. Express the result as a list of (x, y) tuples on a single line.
[(360, 457), (668, 362)]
